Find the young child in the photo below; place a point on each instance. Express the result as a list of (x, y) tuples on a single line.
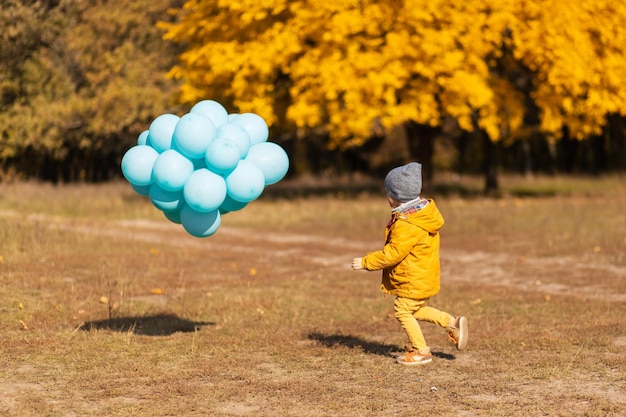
[(410, 263)]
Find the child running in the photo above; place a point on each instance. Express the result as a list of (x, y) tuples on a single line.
[(410, 263)]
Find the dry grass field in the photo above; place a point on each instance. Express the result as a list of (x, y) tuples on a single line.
[(108, 309)]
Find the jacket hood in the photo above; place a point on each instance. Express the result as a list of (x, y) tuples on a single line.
[(428, 218)]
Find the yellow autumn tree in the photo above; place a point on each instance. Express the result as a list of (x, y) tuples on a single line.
[(355, 68), (349, 66), (78, 82), (576, 53)]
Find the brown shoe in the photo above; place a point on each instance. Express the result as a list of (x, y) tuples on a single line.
[(415, 358), (458, 332)]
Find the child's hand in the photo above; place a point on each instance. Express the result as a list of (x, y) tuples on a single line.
[(357, 263)]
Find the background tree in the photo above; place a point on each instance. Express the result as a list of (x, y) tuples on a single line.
[(80, 81), (354, 68), (576, 52), (357, 69), (532, 84)]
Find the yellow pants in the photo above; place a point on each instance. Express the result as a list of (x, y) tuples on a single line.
[(409, 311)]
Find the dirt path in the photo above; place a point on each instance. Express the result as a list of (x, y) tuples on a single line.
[(583, 278)]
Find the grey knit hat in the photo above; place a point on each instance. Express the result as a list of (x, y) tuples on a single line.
[(404, 183)]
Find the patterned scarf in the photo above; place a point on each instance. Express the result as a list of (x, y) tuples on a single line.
[(412, 206), (409, 207)]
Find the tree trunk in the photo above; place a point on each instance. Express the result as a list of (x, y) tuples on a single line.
[(490, 158), (598, 154), (527, 162), (490, 164), (299, 150), (421, 143), (615, 132), (569, 152)]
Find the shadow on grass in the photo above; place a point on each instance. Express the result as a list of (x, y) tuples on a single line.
[(157, 325), (373, 348)]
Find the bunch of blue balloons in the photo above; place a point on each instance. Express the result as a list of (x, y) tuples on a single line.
[(197, 167)]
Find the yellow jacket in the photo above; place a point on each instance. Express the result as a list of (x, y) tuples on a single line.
[(410, 257)]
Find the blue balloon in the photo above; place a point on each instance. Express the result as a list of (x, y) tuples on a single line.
[(143, 190), (213, 110), (204, 191), (237, 134), (199, 163), (137, 164), (192, 135), (161, 131), (254, 125), (246, 182), (171, 170), (222, 156), (200, 224), (173, 216), (165, 200), (231, 205), (143, 138), (271, 159)]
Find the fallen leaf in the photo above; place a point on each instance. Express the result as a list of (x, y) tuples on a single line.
[(596, 249), (252, 272), (24, 326), (476, 301), (21, 306), (104, 300), (157, 291)]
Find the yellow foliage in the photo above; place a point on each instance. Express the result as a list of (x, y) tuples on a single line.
[(356, 66), (577, 51)]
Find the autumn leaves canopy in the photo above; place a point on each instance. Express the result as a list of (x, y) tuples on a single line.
[(351, 67)]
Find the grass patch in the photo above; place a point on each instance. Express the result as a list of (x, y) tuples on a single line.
[(107, 310)]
